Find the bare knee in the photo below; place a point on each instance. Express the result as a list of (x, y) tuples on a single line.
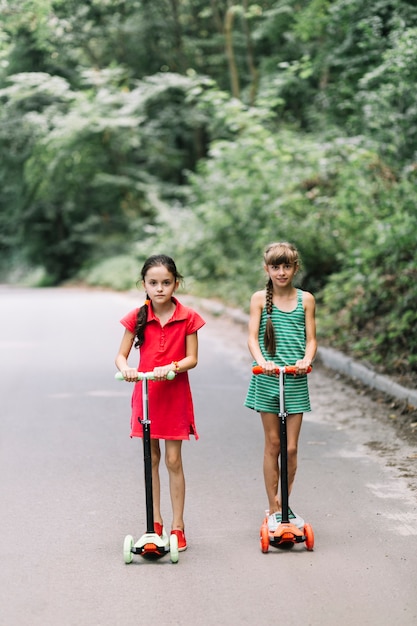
[(271, 432), (173, 461), (292, 449), (272, 446), (292, 452)]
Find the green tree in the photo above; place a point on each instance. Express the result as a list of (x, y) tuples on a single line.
[(92, 160), (387, 99)]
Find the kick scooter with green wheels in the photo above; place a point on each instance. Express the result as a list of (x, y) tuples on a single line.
[(150, 546)]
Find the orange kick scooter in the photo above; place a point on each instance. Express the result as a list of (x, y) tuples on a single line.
[(287, 534)]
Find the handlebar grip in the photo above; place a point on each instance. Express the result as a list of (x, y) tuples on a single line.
[(257, 369), (288, 369), (148, 375), (291, 369)]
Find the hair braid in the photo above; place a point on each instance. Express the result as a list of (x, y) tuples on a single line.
[(141, 320), (269, 336)]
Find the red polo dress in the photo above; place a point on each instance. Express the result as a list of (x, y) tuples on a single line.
[(170, 404)]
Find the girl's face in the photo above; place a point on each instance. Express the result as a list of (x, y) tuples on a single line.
[(281, 274), (159, 284)]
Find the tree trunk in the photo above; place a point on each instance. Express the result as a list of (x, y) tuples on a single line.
[(228, 33)]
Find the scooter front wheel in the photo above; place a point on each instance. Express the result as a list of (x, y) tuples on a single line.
[(173, 548), (127, 549)]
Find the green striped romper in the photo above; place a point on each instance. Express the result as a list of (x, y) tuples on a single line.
[(263, 392)]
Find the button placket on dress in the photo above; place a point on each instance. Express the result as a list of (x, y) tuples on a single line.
[(162, 340)]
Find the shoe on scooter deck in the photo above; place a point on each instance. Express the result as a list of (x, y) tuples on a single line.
[(285, 536)]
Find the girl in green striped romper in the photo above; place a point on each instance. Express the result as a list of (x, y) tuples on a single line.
[(282, 331)]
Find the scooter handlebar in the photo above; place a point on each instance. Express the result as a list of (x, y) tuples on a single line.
[(288, 369), (148, 375)]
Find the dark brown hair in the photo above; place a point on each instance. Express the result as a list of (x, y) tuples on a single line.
[(153, 261), (275, 254)]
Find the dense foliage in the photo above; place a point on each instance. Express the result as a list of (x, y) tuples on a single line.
[(207, 130)]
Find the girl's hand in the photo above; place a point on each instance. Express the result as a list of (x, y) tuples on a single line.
[(302, 366), (130, 375), (160, 373), (269, 367)]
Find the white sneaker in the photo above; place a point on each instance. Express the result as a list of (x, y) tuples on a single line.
[(295, 519), (274, 520)]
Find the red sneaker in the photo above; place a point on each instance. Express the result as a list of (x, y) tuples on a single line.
[(182, 543), (158, 528)]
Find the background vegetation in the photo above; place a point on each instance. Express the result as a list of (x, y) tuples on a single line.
[(207, 130)]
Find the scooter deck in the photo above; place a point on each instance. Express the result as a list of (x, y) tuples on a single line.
[(151, 546), (286, 536)]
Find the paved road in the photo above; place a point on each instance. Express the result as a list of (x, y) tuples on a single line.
[(72, 488)]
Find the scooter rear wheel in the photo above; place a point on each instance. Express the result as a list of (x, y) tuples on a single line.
[(264, 538), (308, 531)]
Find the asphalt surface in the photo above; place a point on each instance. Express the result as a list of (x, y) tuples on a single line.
[(72, 487)]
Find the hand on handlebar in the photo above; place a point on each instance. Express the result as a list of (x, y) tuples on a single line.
[(160, 373), (130, 375), (301, 367), (269, 368)]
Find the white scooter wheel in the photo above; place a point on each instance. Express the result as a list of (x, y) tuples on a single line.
[(173, 548), (127, 549)]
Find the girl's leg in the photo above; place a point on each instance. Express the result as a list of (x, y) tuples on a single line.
[(270, 423), (156, 485), (271, 454), (294, 422), (173, 460)]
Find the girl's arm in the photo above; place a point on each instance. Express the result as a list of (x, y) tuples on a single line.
[(183, 365), (311, 341), (129, 373)]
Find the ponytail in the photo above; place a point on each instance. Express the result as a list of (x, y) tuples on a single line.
[(269, 336)]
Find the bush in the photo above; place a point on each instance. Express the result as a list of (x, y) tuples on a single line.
[(120, 273), (369, 306)]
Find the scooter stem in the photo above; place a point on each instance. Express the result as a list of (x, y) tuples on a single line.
[(282, 415), (147, 457)]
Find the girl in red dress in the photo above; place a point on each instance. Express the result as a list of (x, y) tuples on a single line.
[(165, 331)]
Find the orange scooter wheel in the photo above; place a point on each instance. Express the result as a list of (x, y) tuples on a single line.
[(264, 538), (308, 532)]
